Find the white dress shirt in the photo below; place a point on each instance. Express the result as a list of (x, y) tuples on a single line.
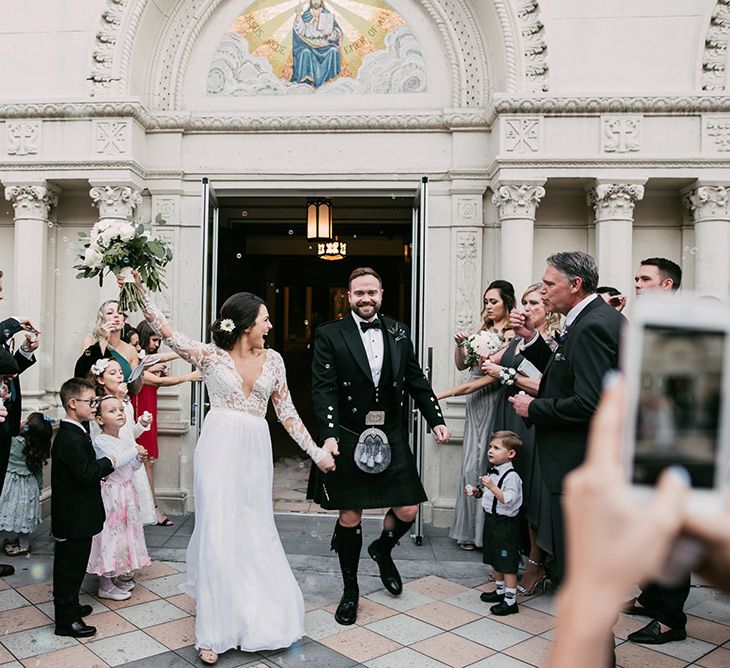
[(511, 488), (372, 339)]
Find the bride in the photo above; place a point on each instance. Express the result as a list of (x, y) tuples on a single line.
[(245, 593)]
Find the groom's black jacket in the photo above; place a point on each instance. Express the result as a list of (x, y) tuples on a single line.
[(343, 393), (342, 384)]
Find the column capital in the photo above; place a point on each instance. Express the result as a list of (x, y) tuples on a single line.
[(517, 200), (614, 201), (32, 200), (708, 203), (115, 201)]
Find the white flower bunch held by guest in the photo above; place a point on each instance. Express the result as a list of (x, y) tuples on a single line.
[(119, 246), (245, 596), (120, 548)]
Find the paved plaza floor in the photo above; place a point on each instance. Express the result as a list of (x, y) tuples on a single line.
[(438, 620)]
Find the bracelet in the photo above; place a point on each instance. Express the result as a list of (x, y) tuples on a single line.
[(507, 375)]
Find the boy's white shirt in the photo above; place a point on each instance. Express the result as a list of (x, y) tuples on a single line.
[(511, 489)]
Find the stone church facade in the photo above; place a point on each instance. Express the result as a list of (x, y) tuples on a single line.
[(543, 125)]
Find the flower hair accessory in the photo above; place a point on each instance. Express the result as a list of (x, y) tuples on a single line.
[(227, 325), (98, 367)]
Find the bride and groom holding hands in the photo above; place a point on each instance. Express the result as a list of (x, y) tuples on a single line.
[(363, 365)]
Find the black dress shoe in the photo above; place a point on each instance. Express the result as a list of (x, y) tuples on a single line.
[(491, 597), (346, 612), (76, 630), (85, 610), (6, 570), (503, 608), (388, 572), (652, 634)]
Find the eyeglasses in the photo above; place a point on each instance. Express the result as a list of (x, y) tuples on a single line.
[(93, 403)]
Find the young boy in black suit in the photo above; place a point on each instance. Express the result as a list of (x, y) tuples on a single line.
[(77, 511)]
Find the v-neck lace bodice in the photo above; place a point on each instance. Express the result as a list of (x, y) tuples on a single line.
[(225, 385)]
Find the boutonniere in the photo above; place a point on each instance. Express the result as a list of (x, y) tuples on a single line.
[(398, 332)]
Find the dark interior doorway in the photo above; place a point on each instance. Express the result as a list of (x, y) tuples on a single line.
[(263, 249)]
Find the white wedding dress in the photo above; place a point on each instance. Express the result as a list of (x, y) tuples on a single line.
[(245, 593)]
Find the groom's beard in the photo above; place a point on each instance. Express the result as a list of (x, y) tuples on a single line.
[(365, 310)]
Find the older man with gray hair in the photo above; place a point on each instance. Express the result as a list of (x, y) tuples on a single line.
[(571, 383)]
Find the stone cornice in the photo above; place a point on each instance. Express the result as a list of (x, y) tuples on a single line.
[(398, 120)]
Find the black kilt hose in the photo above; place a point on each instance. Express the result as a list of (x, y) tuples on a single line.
[(343, 394)]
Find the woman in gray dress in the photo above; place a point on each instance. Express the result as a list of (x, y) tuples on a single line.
[(466, 527)]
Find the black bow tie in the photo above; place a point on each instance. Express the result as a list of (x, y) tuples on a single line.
[(374, 324), (492, 469)]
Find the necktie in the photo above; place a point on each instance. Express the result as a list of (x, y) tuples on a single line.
[(365, 326)]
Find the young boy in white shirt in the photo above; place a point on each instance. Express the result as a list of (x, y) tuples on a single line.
[(501, 494)]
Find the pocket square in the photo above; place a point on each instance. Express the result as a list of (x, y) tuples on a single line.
[(559, 357)]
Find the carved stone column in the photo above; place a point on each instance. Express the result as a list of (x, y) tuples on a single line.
[(33, 204), (516, 205), (613, 204), (710, 209), (115, 201)]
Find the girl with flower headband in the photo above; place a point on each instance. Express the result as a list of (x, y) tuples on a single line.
[(20, 507), (108, 376), (120, 547)]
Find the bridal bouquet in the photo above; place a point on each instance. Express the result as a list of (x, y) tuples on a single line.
[(118, 246), (482, 344)]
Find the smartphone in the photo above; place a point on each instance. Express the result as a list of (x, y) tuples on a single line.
[(676, 361)]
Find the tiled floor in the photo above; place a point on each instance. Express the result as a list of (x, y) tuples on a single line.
[(438, 621)]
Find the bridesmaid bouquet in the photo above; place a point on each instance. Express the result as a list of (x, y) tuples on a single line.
[(118, 246), (482, 344)]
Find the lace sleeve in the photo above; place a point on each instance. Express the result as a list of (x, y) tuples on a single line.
[(287, 413), (192, 351)]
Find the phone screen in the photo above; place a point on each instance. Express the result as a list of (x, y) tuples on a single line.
[(679, 404)]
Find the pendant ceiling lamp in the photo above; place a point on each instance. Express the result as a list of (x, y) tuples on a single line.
[(319, 220)]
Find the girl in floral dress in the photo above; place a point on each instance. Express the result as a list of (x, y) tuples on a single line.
[(120, 547)]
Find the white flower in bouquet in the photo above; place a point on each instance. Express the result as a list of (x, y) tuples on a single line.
[(93, 257), (486, 342), (483, 343), (118, 246)]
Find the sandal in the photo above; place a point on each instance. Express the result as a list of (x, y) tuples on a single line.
[(537, 584), (467, 546), (208, 656), (167, 522), (16, 551)]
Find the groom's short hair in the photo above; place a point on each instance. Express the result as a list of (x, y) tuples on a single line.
[(364, 271)]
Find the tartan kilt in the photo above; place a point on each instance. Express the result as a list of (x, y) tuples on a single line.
[(349, 488)]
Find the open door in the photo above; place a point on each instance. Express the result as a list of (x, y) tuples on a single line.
[(417, 425), (209, 300)]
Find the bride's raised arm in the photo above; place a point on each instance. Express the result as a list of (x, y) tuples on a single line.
[(288, 416), (190, 350)]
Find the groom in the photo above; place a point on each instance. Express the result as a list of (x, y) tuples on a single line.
[(362, 366)]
